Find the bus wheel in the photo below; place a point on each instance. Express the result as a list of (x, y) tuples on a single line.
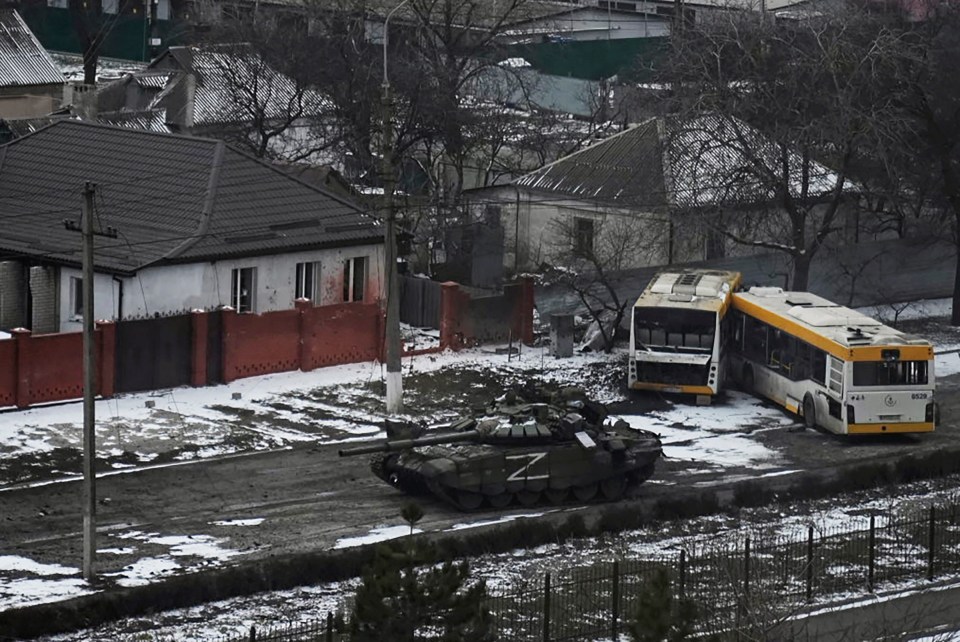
[(747, 379), (809, 411)]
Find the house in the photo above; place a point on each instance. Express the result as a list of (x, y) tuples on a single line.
[(225, 90), (31, 84), (658, 174), (199, 225)]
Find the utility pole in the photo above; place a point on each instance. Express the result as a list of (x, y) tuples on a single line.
[(89, 380), (391, 281)]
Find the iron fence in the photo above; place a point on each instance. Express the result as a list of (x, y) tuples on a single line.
[(733, 585)]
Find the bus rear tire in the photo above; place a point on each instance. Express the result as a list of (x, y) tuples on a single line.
[(809, 411)]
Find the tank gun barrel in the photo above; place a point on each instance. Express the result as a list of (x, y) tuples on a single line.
[(395, 445)]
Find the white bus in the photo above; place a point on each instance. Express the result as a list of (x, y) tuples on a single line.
[(833, 366), (678, 333)]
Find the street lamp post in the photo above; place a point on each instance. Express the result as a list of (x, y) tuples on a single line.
[(391, 281)]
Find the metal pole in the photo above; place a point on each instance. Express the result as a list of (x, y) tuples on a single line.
[(809, 563), (546, 608), (391, 282), (871, 553), (89, 370), (615, 633), (931, 544)]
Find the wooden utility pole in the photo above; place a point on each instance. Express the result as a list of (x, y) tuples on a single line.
[(392, 335), (89, 380)]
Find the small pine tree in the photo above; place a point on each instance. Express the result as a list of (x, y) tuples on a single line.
[(405, 595), (658, 617)]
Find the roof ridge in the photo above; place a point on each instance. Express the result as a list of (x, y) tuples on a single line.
[(568, 157), (206, 213)]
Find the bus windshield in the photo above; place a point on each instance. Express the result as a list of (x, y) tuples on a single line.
[(889, 373), (676, 328)]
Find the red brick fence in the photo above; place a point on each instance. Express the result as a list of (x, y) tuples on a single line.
[(221, 346)]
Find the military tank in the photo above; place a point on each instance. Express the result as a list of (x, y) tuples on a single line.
[(533, 446)]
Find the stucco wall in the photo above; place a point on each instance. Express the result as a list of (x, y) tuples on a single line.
[(106, 298), (179, 288)]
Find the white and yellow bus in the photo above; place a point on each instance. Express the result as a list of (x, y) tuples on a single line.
[(678, 333), (835, 367)]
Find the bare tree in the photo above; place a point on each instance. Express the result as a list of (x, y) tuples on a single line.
[(588, 256), (928, 90), (789, 107)]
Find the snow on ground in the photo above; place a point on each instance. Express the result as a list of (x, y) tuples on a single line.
[(334, 405)]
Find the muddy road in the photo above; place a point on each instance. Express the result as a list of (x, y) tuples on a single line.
[(309, 498)]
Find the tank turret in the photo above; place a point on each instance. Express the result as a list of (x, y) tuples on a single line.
[(531, 446)]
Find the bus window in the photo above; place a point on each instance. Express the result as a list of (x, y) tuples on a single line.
[(819, 366), (755, 340), (889, 373)]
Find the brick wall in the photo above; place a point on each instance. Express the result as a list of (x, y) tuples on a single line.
[(44, 288), (13, 293), (38, 367)]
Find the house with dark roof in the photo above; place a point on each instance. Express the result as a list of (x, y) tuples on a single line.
[(31, 84), (199, 225), (662, 175)]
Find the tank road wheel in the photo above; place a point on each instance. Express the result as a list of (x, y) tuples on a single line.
[(586, 492), (809, 411), (613, 487), (556, 496), (468, 500), (500, 500), (642, 475), (528, 498)]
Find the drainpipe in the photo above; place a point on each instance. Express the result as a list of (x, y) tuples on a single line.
[(119, 283)]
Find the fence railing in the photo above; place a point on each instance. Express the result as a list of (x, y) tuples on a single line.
[(747, 583)]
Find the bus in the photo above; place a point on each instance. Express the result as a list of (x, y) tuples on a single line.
[(678, 333), (834, 367)]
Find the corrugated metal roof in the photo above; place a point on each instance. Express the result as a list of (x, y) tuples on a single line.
[(665, 162), (174, 199), (152, 120), (229, 80), (23, 60)]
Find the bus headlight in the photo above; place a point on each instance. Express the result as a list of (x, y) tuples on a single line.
[(851, 414)]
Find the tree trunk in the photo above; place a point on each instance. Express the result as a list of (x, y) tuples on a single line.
[(955, 312), (801, 272)]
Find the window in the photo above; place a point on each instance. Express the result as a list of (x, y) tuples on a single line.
[(243, 288), (76, 296), (308, 282), (583, 235), (58, 4), (163, 10), (110, 6), (889, 373), (354, 278)]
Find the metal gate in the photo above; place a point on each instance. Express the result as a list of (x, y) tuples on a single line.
[(420, 302), (153, 353)]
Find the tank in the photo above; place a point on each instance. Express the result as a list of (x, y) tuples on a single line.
[(534, 446)]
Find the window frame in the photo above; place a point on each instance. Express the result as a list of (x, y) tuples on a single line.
[(236, 295), (584, 235), (76, 297), (304, 287), (354, 280)]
